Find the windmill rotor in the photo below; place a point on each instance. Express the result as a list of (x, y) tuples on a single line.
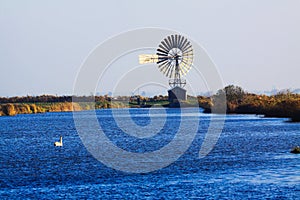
[(174, 57)]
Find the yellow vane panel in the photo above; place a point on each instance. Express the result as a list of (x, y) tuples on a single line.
[(148, 58)]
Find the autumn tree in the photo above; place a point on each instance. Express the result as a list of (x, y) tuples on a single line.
[(233, 93)]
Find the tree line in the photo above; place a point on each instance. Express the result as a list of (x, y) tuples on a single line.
[(52, 99)]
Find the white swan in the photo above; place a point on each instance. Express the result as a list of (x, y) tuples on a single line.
[(59, 144)]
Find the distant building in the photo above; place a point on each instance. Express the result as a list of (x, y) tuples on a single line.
[(177, 94)]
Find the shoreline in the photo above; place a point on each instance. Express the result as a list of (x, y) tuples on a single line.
[(284, 104), (13, 109)]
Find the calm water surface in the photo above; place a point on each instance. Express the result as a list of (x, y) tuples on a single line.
[(250, 160)]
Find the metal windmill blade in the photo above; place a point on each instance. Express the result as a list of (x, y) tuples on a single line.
[(175, 58)]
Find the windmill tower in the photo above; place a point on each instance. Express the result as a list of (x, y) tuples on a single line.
[(174, 58)]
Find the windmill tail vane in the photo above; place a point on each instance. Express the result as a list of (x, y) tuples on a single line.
[(148, 58)]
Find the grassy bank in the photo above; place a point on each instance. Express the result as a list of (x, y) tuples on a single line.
[(11, 109), (283, 104)]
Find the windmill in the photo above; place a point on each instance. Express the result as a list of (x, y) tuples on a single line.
[(174, 57)]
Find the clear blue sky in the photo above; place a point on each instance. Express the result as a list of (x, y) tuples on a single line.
[(254, 43)]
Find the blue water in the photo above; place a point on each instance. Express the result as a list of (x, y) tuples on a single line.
[(250, 160)]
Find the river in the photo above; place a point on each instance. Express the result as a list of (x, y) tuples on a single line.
[(251, 159)]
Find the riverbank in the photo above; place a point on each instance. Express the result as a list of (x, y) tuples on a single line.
[(12, 109), (282, 105)]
